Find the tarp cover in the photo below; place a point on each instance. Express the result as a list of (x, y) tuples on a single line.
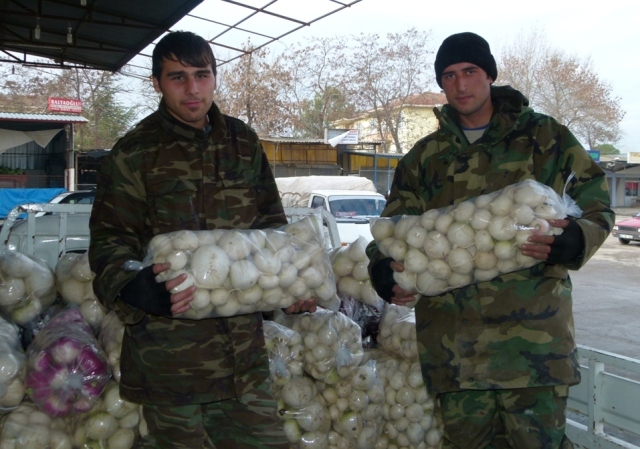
[(295, 190), (10, 138), (10, 198)]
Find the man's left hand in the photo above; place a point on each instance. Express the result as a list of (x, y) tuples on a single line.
[(557, 249), (305, 305)]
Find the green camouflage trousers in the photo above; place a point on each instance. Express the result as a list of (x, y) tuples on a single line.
[(525, 418), (226, 424)]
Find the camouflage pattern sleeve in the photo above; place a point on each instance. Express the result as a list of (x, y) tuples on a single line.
[(116, 225)]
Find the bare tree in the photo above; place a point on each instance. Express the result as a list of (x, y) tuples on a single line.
[(252, 88), (386, 73), (564, 87), (319, 71)]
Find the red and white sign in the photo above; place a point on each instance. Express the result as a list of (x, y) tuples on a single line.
[(65, 105)]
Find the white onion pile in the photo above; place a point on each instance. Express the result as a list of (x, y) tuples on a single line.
[(26, 427), (12, 363), (305, 415), (243, 271), (332, 343), (350, 270), (74, 281), (473, 241), (355, 406), (409, 416), (110, 338), (27, 286), (111, 424), (285, 352), (397, 331)]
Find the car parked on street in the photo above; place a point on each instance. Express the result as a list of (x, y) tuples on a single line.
[(627, 230)]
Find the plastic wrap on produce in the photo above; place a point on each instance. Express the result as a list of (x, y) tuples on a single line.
[(410, 417), (473, 241), (27, 286), (304, 413), (12, 363), (285, 353), (67, 370), (397, 332), (74, 283), (350, 268), (332, 343), (244, 271)]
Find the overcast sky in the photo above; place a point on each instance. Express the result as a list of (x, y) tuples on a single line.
[(607, 32)]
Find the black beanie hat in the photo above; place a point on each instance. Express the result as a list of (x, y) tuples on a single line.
[(465, 47)]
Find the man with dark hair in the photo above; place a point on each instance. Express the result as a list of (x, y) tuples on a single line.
[(202, 383), (500, 355)]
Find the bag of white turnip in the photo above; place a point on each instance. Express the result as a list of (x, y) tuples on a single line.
[(285, 352), (473, 241), (305, 417), (110, 338), (66, 368), (12, 362), (350, 268), (397, 332), (28, 427), (410, 416), (74, 282), (332, 343), (248, 270), (356, 407), (113, 423), (27, 286)]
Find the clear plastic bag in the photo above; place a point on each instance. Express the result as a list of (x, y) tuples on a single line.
[(244, 271), (397, 332), (27, 286), (332, 343), (473, 241), (12, 363), (350, 269), (74, 281), (66, 368), (285, 352)]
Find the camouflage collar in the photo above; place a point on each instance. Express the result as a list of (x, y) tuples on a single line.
[(509, 106), (216, 122)]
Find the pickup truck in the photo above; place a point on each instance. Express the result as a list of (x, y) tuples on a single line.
[(353, 201)]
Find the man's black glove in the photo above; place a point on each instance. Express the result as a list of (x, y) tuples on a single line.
[(145, 293), (567, 246), (382, 279)]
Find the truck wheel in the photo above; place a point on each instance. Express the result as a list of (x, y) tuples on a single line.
[(624, 241)]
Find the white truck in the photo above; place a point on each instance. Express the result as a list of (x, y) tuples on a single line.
[(351, 200)]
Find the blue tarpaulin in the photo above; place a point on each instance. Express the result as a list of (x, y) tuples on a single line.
[(10, 198)]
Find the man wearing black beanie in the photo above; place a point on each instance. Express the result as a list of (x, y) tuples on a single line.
[(499, 354)]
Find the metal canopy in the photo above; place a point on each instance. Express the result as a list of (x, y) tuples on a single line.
[(107, 34)]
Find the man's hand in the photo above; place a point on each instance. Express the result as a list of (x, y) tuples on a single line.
[(304, 305), (154, 297), (557, 249), (386, 287)]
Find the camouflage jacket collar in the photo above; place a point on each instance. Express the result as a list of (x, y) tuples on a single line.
[(216, 120), (509, 108)]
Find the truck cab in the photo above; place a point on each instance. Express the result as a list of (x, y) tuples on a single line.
[(353, 210)]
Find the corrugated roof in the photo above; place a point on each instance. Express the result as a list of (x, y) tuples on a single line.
[(291, 140), (49, 118)]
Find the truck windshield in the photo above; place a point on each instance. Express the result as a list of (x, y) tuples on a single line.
[(357, 207)]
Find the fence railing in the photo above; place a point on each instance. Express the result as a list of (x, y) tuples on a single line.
[(609, 403)]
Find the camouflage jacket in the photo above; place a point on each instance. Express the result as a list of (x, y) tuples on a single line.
[(516, 330), (161, 177)]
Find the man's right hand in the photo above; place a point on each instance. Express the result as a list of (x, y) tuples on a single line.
[(386, 287), (145, 293)]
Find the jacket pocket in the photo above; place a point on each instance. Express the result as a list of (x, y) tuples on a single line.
[(172, 204)]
